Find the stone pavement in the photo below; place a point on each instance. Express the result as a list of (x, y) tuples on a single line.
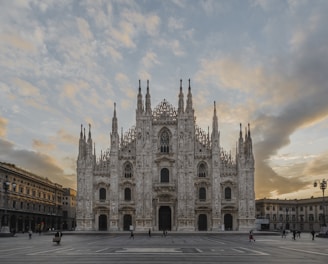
[(226, 247)]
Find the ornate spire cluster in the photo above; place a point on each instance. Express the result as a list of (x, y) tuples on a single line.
[(245, 145), (85, 146)]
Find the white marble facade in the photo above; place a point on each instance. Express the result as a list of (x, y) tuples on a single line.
[(165, 173)]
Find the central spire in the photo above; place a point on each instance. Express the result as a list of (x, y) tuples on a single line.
[(148, 105), (181, 102), (189, 100), (139, 100), (114, 121)]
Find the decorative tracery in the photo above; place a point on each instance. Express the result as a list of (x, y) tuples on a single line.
[(128, 137), (164, 112), (202, 136), (165, 142), (128, 172), (202, 170)]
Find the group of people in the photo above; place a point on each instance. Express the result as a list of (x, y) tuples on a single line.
[(296, 234), (149, 233)]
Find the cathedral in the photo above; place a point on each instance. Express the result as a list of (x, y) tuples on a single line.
[(165, 173)]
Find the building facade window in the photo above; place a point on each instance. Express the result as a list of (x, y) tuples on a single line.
[(128, 170), (202, 171), (227, 193), (311, 217), (102, 194), (165, 142), (165, 175), (127, 194), (202, 194)]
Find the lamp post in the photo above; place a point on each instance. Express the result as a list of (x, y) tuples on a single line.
[(5, 226), (323, 186)]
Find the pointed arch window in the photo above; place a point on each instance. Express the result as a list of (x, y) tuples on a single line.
[(127, 194), (165, 142), (227, 193), (202, 170), (202, 194), (102, 194), (165, 175), (128, 173)]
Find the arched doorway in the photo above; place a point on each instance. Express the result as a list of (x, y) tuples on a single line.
[(127, 222), (228, 222), (202, 222), (102, 222), (164, 218)]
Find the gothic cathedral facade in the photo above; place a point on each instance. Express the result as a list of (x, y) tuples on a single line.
[(165, 173)]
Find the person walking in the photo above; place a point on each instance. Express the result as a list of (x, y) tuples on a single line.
[(131, 235), (312, 233), (283, 234), (251, 236), (149, 232)]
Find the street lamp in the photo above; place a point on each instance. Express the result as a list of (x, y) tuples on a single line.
[(323, 186), (5, 227)]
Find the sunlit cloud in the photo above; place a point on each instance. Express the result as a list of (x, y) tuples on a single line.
[(84, 28), (17, 41), (3, 126), (39, 145)]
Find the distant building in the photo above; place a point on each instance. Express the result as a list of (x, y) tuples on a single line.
[(297, 214), (165, 173), (33, 203), (69, 209)]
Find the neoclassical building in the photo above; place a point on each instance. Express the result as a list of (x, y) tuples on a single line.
[(165, 173), (28, 201)]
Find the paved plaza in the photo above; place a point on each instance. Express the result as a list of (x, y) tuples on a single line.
[(174, 248)]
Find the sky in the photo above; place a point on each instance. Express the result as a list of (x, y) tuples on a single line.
[(65, 63)]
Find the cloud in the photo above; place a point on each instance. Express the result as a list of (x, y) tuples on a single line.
[(3, 126), (150, 22), (26, 89), (63, 136), (84, 28), (125, 86), (318, 167), (131, 25), (173, 45), (35, 162), (41, 146), (175, 24), (149, 60), (15, 40)]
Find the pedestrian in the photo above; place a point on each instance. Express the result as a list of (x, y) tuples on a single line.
[(283, 233), (131, 235), (312, 233), (149, 232), (251, 236), (298, 234), (294, 234), (30, 234)]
